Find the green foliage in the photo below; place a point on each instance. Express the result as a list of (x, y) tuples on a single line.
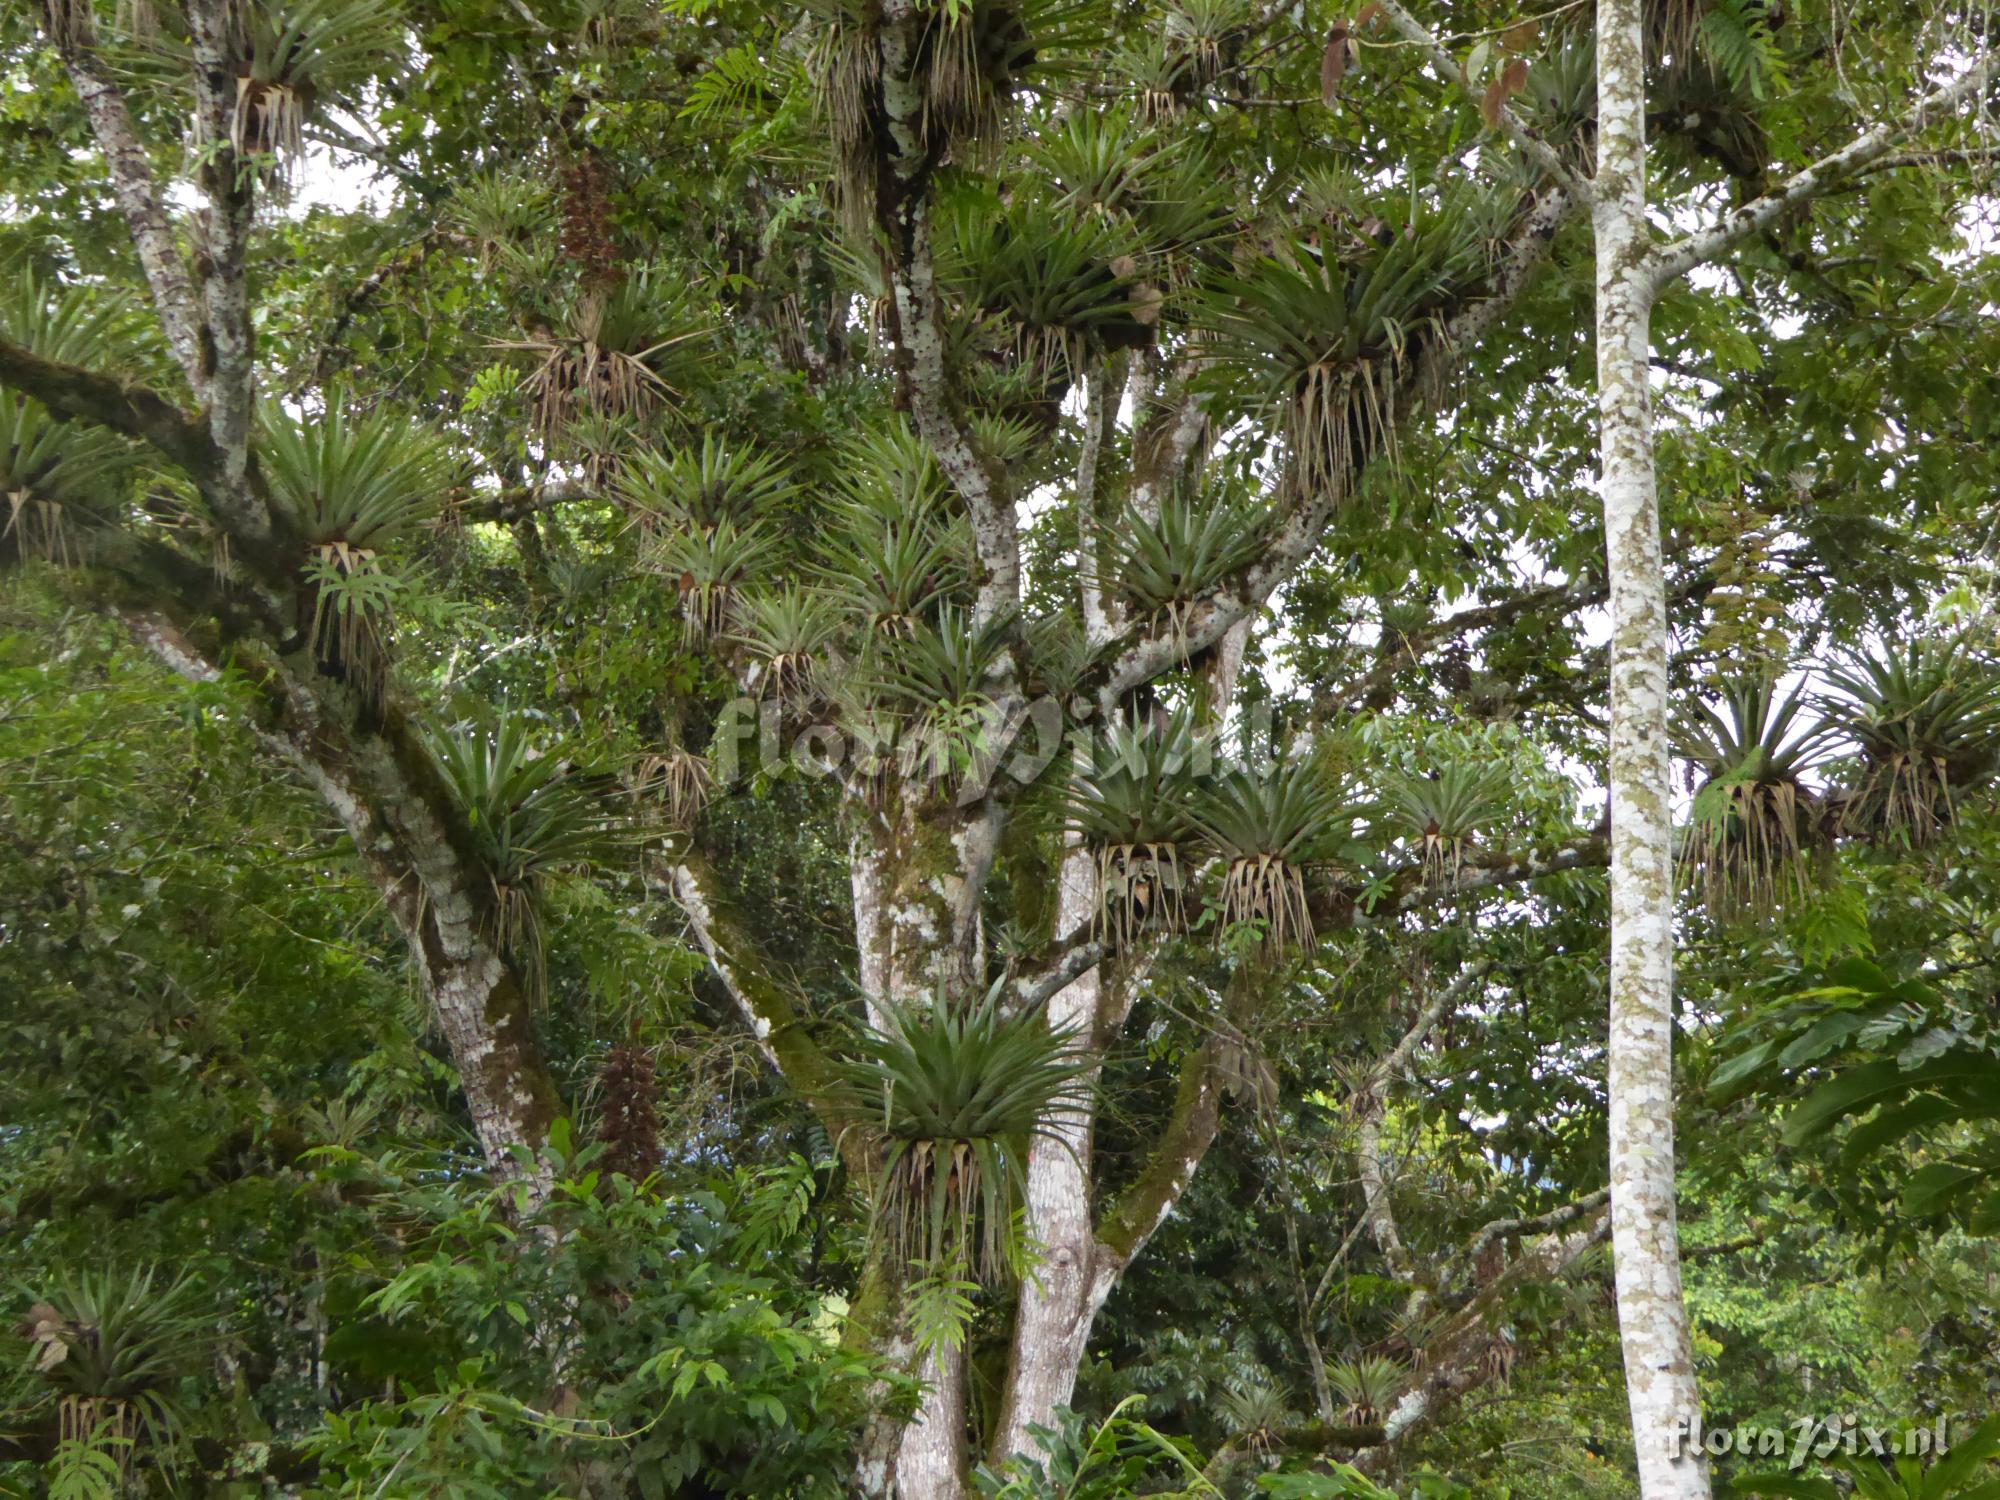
[(1321, 338), (529, 816), (1059, 287), (958, 1093), (1755, 819), (73, 325), (1369, 1386), (1925, 719), (299, 55), (1269, 827), (110, 1350), (936, 679), (589, 241), (1908, 1070), (1131, 798), (788, 633), (1164, 564), (1739, 41), (891, 572), (1118, 1456), (504, 215), (353, 485), (1443, 811), (611, 353), (1344, 1480), (888, 473), (711, 565), (58, 476), (53, 475), (1966, 1472), (704, 1370), (704, 487)]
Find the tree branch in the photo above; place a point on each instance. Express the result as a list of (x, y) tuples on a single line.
[(1668, 262), (903, 211), (74, 393), (1140, 656), (1371, 1106), (1190, 1127), (1069, 959), (385, 790), (1410, 886), (227, 181), (1399, 649), (770, 1009), (1524, 137), (518, 503), (1454, 1358), (1554, 1219), (135, 191)]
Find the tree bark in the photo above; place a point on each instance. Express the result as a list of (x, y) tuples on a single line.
[(917, 865), (431, 890), (1652, 1313), (1058, 1304)]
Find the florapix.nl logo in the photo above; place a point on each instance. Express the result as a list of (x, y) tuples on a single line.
[(1799, 1439)]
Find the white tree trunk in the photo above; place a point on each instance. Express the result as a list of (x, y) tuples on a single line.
[(930, 1465), (1652, 1315), (1058, 1304), (905, 921)]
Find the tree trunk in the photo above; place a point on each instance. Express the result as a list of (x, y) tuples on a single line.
[(1652, 1315), (931, 1463), (915, 931), (428, 886), (1057, 1305)]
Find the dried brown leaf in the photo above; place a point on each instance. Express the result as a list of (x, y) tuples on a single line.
[(1333, 62)]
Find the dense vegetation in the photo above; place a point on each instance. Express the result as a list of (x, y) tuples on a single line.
[(860, 748)]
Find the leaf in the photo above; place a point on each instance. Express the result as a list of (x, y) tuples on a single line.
[(1966, 1455), (1333, 62), (1513, 78), (1859, 1087), (1740, 1068), (1933, 1043), (1932, 1188), (1893, 1123), (1823, 1036), (1872, 1482), (1784, 1484), (1520, 37), (1859, 974)]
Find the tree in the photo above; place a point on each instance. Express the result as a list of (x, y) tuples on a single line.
[(984, 472), (1631, 272)]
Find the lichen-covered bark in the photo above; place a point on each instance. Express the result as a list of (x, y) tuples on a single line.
[(1653, 1322), (1652, 1312), (908, 156), (1056, 1308), (137, 195), (224, 228), (379, 787), (918, 865)]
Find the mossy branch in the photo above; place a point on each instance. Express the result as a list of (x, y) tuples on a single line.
[(773, 1010)]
